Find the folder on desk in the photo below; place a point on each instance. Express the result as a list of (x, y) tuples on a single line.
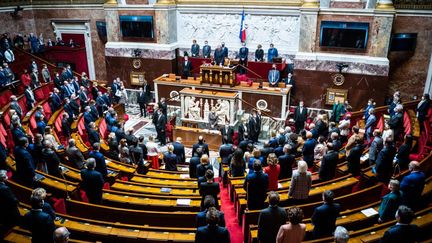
[(165, 189), (369, 212), (183, 202), (184, 176), (39, 177)]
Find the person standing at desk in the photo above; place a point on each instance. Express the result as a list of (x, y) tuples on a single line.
[(259, 54), (243, 56), (271, 53), (224, 50), (187, 67), (273, 76), (219, 57), (206, 50), (195, 49)]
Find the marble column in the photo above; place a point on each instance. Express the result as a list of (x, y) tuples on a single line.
[(232, 112), (308, 27), (380, 33), (112, 23), (182, 108), (428, 83), (166, 22)]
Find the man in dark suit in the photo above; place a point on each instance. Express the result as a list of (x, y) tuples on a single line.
[(83, 97), (212, 233), (225, 151), (25, 170), (201, 144), (256, 184), (219, 56), (308, 149), (328, 165), (228, 132), (66, 125), (412, 185), (384, 162), (9, 205), (93, 134), (209, 187), (88, 117), (206, 50), (286, 162), (40, 125), (396, 122), (74, 154), (195, 48), (187, 67), (194, 162), (209, 201), (422, 109), (161, 126), (273, 76), (39, 223), (224, 50), (179, 151), (290, 81), (324, 216), (55, 100), (51, 159), (163, 106), (92, 182), (100, 160), (244, 144), (242, 129), (300, 116), (403, 231), (15, 106), (271, 219), (30, 99), (254, 126), (243, 57), (142, 101), (170, 159), (354, 157), (17, 132)]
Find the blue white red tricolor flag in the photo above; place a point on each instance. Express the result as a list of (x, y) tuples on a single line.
[(242, 34)]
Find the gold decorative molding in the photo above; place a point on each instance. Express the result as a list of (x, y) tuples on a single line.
[(166, 2), (111, 2), (311, 4), (242, 2), (385, 5)]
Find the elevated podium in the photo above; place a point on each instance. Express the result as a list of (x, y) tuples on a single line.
[(219, 75)]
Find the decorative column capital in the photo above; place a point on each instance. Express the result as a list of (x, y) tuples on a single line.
[(311, 4), (385, 5)]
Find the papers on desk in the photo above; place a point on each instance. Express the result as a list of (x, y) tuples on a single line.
[(184, 176), (369, 212), (279, 186), (165, 189), (183, 202), (364, 157), (187, 160), (184, 168), (39, 177)]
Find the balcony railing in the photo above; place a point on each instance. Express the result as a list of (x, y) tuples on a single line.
[(413, 4), (7, 3)]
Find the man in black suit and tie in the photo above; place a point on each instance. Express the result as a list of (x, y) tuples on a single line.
[(290, 81), (201, 144), (30, 98), (384, 162), (179, 150), (40, 224), (93, 134), (403, 231), (243, 56), (271, 219), (143, 99), (99, 159), (324, 216), (328, 165), (286, 162), (187, 67), (15, 106), (55, 100), (225, 151), (228, 132), (396, 122), (161, 126), (219, 57), (163, 106), (25, 170), (206, 50), (254, 126), (83, 97), (195, 48), (88, 117), (354, 157), (9, 205), (300, 116), (242, 129), (212, 232), (256, 184), (92, 182)]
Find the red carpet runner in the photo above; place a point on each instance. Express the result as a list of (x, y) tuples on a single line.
[(230, 217)]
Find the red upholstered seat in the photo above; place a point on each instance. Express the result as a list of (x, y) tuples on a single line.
[(103, 128), (33, 125), (23, 105), (10, 142), (106, 186), (3, 140), (7, 119), (39, 94), (47, 110), (380, 124), (2, 130), (59, 205), (83, 196)]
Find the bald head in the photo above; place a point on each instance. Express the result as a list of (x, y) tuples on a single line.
[(61, 235), (414, 166)]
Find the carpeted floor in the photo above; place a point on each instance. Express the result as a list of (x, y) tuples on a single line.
[(230, 216)]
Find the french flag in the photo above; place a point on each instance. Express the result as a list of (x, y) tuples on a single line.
[(242, 34)]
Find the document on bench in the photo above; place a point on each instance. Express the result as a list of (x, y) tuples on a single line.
[(183, 202), (279, 186), (184, 176), (165, 189), (369, 212)]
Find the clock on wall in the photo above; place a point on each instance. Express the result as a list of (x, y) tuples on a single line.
[(338, 79), (136, 63)]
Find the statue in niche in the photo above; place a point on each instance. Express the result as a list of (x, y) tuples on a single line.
[(206, 109), (194, 109), (222, 110)]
